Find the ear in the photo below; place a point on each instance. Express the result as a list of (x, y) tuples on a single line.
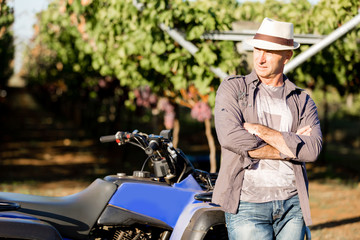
[(288, 55)]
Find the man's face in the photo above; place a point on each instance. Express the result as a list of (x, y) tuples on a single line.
[(270, 63)]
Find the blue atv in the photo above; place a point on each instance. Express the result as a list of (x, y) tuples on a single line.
[(172, 201)]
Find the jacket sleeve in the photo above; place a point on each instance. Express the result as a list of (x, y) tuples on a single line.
[(306, 148), (229, 118)]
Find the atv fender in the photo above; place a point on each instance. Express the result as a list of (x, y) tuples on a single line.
[(202, 221), (20, 228)]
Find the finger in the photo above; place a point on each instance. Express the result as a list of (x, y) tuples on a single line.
[(307, 132), (303, 130), (300, 131)]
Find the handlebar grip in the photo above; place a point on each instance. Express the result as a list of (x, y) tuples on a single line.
[(109, 138), (153, 145)]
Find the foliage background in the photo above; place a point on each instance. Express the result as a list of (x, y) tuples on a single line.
[(6, 43), (107, 64), (79, 44)]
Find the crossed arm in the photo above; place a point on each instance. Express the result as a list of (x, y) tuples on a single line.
[(274, 139)]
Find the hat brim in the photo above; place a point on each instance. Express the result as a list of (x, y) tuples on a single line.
[(257, 43)]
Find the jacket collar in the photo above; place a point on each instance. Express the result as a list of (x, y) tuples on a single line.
[(289, 86)]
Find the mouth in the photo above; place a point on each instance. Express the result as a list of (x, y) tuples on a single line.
[(259, 66)]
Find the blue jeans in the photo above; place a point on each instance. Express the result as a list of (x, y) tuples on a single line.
[(270, 220)]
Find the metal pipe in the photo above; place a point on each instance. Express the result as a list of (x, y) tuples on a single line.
[(180, 39), (335, 35), (239, 36), (190, 47)]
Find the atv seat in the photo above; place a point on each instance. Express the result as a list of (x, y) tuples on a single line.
[(74, 215)]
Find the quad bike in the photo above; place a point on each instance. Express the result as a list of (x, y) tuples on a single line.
[(172, 201)]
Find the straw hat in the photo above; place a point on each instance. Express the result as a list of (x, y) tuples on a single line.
[(274, 35)]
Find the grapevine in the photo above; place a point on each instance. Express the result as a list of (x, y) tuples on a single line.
[(6, 42), (78, 43)]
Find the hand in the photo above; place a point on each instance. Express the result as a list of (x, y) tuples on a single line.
[(304, 131)]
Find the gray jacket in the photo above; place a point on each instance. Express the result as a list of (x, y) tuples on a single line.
[(234, 105)]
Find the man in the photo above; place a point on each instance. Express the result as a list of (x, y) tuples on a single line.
[(268, 128)]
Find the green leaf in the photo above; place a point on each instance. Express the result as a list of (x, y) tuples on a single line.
[(159, 47), (195, 32)]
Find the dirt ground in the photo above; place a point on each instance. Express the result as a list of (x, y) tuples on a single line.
[(335, 210), (52, 162)]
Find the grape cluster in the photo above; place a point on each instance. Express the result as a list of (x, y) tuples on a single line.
[(169, 112), (144, 97), (201, 111)]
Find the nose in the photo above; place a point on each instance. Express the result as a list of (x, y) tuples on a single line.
[(261, 56)]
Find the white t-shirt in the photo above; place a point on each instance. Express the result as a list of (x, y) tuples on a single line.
[(270, 180)]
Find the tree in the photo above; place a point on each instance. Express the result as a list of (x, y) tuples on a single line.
[(6, 42)]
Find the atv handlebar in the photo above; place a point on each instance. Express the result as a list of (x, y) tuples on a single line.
[(119, 137), (153, 145), (149, 143), (167, 162)]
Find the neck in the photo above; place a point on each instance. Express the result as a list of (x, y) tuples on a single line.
[(275, 81)]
